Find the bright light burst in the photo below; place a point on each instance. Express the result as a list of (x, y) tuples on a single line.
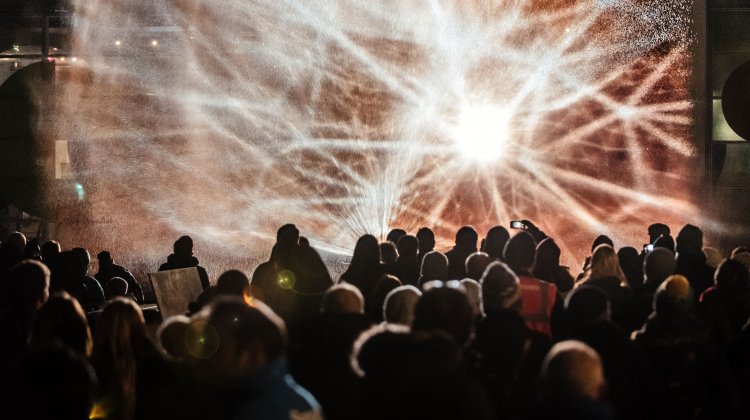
[(344, 117)]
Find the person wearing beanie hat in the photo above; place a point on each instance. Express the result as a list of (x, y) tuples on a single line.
[(691, 262), (500, 288), (539, 302), (586, 305), (109, 270), (476, 263)]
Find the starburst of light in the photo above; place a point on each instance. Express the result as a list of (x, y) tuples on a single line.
[(351, 117)]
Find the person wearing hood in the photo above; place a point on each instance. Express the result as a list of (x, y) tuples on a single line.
[(691, 261), (183, 258)]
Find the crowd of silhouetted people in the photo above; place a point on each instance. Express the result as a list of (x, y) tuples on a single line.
[(494, 328)]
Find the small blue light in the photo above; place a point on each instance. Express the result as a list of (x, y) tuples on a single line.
[(80, 191)]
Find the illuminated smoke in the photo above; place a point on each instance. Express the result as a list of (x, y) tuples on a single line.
[(232, 117)]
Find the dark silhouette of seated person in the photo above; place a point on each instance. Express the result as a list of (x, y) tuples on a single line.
[(32, 251), (547, 266), (426, 239), (233, 283), (476, 263), (434, 267), (28, 290), (71, 277), (691, 262), (117, 287), (408, 263), (539, 300), (248, 364), (399, 305), (108, 270), (183, 258), (466, 244), (494, 243), (572, 384), (665, 241), (93, 286), (365, 268), (320, 361)]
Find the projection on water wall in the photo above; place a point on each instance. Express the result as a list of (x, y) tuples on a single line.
[(225, 119)]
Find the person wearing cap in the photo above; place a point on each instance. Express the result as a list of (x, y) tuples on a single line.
[(109, 270)]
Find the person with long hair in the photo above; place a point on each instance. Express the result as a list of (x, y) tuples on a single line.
[(365, 268), (126, 363), (605, 273)]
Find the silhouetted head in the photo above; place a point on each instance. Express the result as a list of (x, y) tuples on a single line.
[(172, 334), (289, 227), (572, 370), (690, 239), (656, 230), (435, 266), (16, 243), (51, 383), (446, 309), (500, 288), (739, 250), (476, 263), (585, 305), (394, 235), (84, 257), (32, 250), (547, 259), (713, 257), (732, 280), (674, 296), (473, 291), (519, 253), (62, 320), (183, 246), (28, 284), (343, 298), (466, 238), (116, 286), (50, 250), (375, 350), (631, 265), (743, 258), (408, 246), (366, 252), (388, 253), (665, 241), (233, 283), (246, 338), (602, 239), (105, 258), (658, 265), (426, 239), (495, 242), (120, 332), (604, 263), (399, 305)]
